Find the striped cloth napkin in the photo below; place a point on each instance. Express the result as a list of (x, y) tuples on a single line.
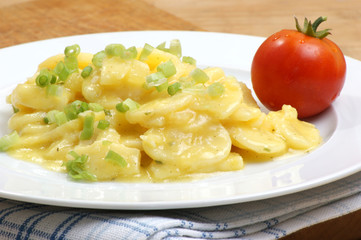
[(264, 219)]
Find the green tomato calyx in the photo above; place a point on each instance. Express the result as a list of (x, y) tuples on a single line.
[(310, 29)]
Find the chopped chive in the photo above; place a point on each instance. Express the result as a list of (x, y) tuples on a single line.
[(51, 116), (44, 78), (80, 106), (71, 64), (95, 107), (175, 48), (167, 68), (88, 127), (7, 141), (86, 71), (42, 81), (107, 112), (114, 50), (157, 80), (174, 88), (189, 60), (215, 89), (62, 71), (98, 59), (115, 158), (60, 118), (162, 47), (153, 78), (83, 107), (130, 53), (162, 85), (126, 105), (146, 51), (199, 76), (71, 112), (77, 168), (53, 78), (72, 50), (54, 90), (55, 116), (103, 124)]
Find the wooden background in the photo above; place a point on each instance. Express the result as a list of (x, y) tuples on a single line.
[(30, 20)]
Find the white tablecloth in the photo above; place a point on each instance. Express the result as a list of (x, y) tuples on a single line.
[(265, 219)]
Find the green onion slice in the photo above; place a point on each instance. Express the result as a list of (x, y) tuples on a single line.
[(157, 80), (115, 158), (72, 50), (199, 76), (189, 60), (62, 71), (77, 168), (73, 109), (175, 48), (215, 89), (162, 47), (167, 68), (98, 58), (88, 127), (60, 118), (103, 124), (55, 116), (86, 72), (114, 49), (54, 90), (130, 53), (7, 141), (71, 112), (127, 105), (51, 116), (146, 51), (162, 85), (95, 107), (174, 88), (44, 78), (71, 64)]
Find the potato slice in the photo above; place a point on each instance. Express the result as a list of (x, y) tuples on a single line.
[(152, 114), (298, 134), (23, 96), (257, 140), (105, 170), (189, 151), (228, 101)]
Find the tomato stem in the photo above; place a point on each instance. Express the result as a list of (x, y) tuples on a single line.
[(310, 29)]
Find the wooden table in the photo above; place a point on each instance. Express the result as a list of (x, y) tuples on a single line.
[(29, 20)]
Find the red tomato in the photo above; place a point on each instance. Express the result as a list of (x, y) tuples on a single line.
[(303, 71)]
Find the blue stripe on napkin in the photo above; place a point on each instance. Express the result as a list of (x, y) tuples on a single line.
[(265, 219)]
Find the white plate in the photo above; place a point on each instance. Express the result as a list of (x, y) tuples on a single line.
[(338, 157)]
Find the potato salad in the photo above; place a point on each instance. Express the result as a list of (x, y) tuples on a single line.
[(144, 114)]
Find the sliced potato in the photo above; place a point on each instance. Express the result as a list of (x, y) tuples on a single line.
[(188, 150), (105, 170), (152, 114), (257, 140), (298, 134), (223, 106)]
